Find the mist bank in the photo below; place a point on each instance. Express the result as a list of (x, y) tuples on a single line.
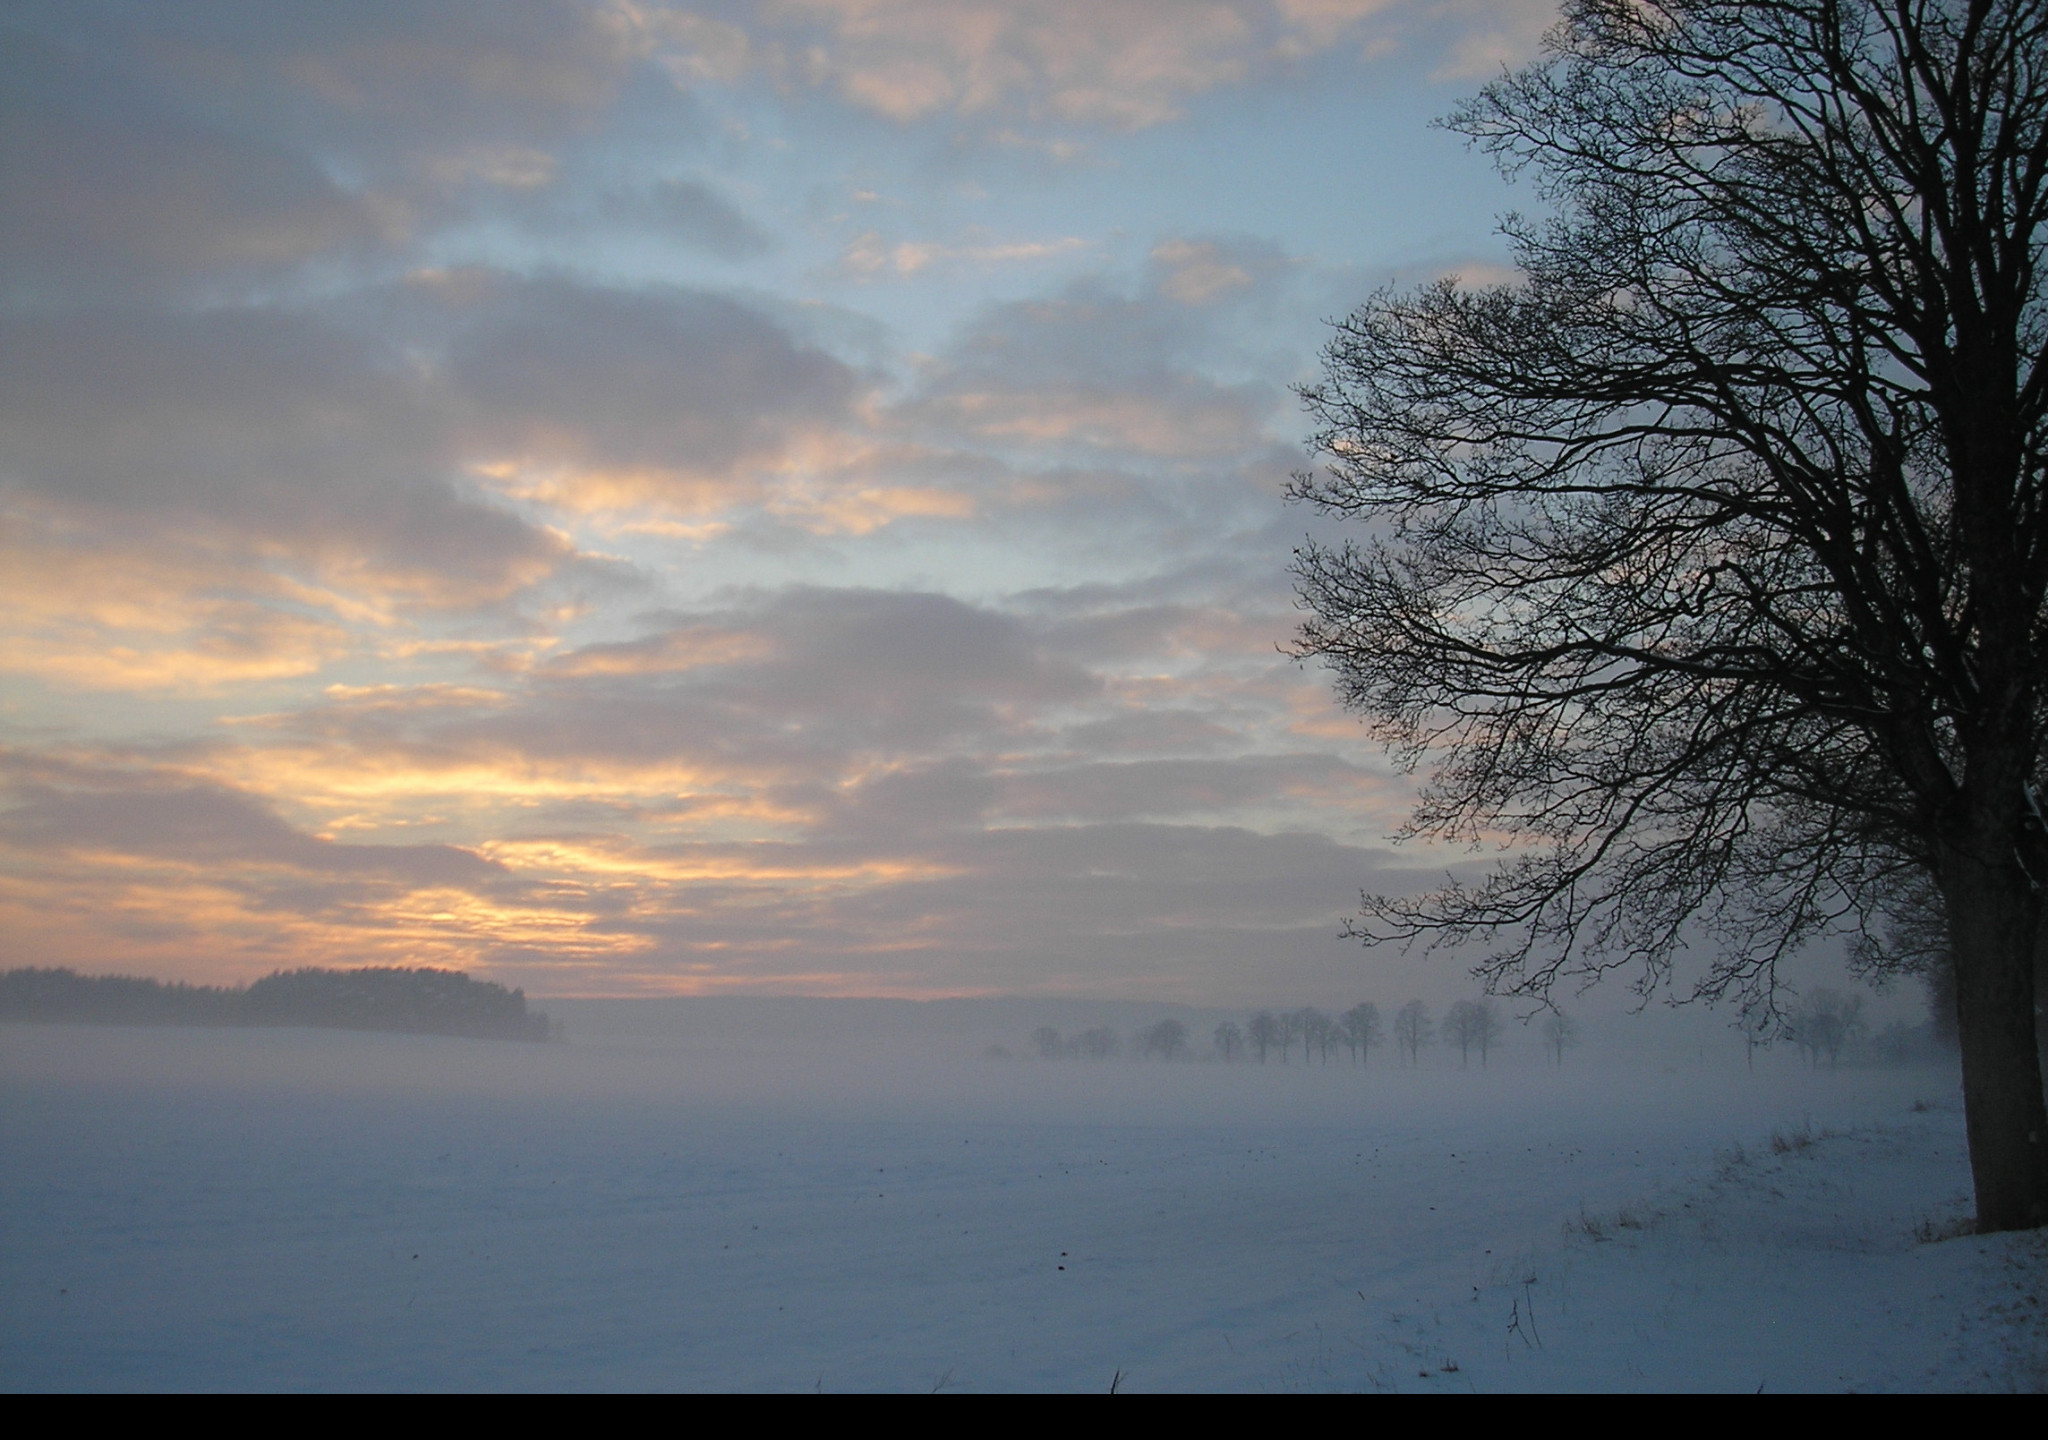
[(419, 1002), (1084, 1030), (322, 1209), (1476, 1034)]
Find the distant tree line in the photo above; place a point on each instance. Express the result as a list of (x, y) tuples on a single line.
[(1825, 1026), (1473, 1026), (421, 1002), (1823, 1023)]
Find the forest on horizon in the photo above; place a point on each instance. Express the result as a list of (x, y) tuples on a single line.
[(410, 1001)]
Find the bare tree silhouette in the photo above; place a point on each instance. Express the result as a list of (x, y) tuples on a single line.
[(1462, 1025), (1560, 1033), (1318, 1032), (1361, 1030), (1710, 558), (1097, 1043), (1229, 1039), (1167, 1039), (1413, 1029), (1824, 1022), (1265, 1032)]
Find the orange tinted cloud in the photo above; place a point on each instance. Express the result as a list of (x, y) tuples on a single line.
[(1123, 67), (132, 618), (869, 255), (462, 505)]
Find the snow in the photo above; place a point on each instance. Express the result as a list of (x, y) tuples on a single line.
[(191, 1209)]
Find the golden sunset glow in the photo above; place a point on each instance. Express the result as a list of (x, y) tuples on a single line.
[(686, 500)]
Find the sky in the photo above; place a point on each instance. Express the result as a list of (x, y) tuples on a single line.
[(627, 498)]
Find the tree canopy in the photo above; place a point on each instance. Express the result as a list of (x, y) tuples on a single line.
[(1706, 559)]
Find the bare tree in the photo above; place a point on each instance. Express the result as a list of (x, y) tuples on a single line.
[(1168, 1039), (1757, 1025), (1711, 557), (1046, 1041), (1486, 1028), (1228, 1039), (1265, 1032), (1290, 1031), (1097, 1043), (1318, 1032), (1560, 1033), (1464, 1026), (1413, 1029), (1826, 1021), (1914, 940), (1361, 1029)]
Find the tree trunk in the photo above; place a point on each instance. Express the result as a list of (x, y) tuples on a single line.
[(1993, 913)]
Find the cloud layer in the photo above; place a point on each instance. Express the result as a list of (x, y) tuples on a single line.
[(474, 491)]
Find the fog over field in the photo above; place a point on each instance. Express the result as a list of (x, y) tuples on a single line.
[(802, 1194), (710, 695)]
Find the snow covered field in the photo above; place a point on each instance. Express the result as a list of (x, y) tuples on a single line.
[(198, 1209)]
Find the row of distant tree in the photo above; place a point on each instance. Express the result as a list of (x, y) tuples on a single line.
[(1475, 1027), (1823, 1025), (416, 1001)]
